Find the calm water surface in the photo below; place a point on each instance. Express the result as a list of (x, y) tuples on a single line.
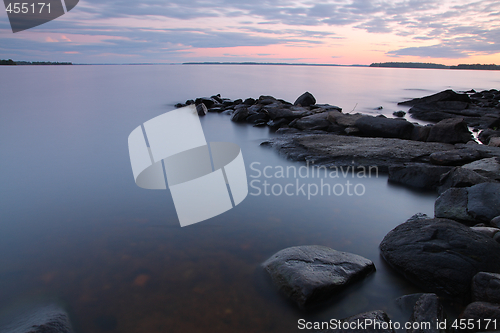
[(74, 227)]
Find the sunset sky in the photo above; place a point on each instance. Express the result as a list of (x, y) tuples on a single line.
[(321, 31)]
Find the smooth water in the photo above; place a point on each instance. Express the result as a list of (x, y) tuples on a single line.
[(74, 227)]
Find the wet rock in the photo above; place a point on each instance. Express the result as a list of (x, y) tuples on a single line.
[(489, 167), (486, 135), (257, 118), (309, 275), (240, 114), (455, 156), (440, 255), (483, 201), (39, 319), (275, 112), (201, 109), (278, 123), (204, 100), (328, 107), (315, 122), (418, 175), (384, 127), (249, 101), (481, 314), (450, 131), (427, 309), (381, 323), (494, 142), (399, 113), (346, 120), (306, 99), (460, 177)]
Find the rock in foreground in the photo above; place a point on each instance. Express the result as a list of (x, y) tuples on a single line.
[(440, 255), (312, 274)]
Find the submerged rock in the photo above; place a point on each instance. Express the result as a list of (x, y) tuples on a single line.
[(440, 255), (310, 275)]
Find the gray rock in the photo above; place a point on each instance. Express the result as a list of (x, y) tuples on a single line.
[(483, 201), (487, 231), (420, 133), (346, 120), (48, 318), (455, 156), (495, 221), (483, 312), (257, 118), (384, 127), (418, 175), (494, 142), (440, 255), (486, 166), (460, 177), (478, 203), (341, 150), (201, 109), (306, 99), (486, 135), (315, 122), (428, 310), (497, 237), (452, 204), (486, 287), (240, 114), (312, 274), (381, 323), (399, 113), (453, 130), (447, 95), (418, 216)]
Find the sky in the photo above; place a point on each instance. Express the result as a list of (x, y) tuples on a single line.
[(343, 32)]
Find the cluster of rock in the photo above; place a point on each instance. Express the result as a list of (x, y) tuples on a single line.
[(455, 254)]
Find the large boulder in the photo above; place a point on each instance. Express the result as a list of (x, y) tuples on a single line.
[(484, 316), (418, 175), (486, 287), (309, 275), (379, 322), (440, 255), (48, 318), (384, 127), (306, 99), (452, 204), (450, 131), (489, 167)]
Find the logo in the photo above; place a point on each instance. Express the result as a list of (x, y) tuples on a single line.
[(28, 14), (205, 180)]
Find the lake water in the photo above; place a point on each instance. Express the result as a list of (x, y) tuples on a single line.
[(75, 228)]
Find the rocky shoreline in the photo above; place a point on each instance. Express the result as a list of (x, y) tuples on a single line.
[(454, 255)]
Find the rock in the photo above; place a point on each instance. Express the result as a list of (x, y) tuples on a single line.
[(249, 101), (495, 221), (346, 120), (381, 323), (486, 135), (452, 204), (384, 127), (487, 231), (494, 142), (278, 123), (306, 99), (420, 133), (455, 156), (418, 216), (179, 105), (460, 177), (201, 109), (483, 201), (428, 310), (489, 167), (315, 122), (276, 112), (399, 113), (204, 100), (447, 95), (240, 114), (486, 287), (39, 319), (450, 131), (481, 314), (328, 107), (497, 237), (336, 129), (351, 131), (418, 175), (257, 118), (312, 274), (341, 150), (189, 102), (440, 255)]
